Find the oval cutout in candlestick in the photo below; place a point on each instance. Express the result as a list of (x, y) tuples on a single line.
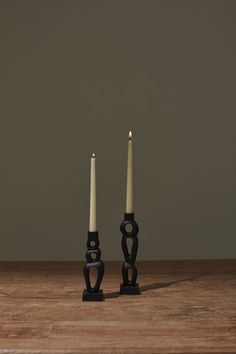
[(129, 228), (130, 275), (93, 255), (129, 242), (93, 276)]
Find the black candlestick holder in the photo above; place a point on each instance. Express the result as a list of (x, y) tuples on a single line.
[(129, 286), (93, 255)]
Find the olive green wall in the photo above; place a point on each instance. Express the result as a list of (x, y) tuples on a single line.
[(75, 77)]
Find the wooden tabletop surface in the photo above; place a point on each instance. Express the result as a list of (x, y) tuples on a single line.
[(185, 307)]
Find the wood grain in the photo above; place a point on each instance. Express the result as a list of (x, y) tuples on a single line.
[(185, 307)]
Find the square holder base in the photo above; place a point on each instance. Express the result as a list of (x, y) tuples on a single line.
[(93, 296), (129, 290)]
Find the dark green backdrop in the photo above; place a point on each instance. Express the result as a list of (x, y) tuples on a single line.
[(75, 77)]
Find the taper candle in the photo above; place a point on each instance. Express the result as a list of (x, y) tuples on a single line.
[(93, 211), (129, 190)]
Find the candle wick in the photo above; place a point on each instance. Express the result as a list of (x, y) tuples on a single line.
[(93, 155), (130, 135)]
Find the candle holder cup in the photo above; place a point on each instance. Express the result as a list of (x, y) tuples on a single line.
[(129, 285), (93, 254)]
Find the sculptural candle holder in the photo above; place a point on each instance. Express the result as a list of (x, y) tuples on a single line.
[(93, 255), (129, 286)]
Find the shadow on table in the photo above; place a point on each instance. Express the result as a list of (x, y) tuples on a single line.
[(157, 285), (151, 286), (112, 295)]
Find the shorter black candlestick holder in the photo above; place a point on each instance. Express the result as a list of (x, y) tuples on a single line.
[(93, 255), (129, 286)]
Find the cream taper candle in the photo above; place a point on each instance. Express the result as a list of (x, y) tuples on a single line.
[(129, 190), (93, 211)]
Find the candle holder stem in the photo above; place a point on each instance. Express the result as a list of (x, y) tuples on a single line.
[(129, 285), (93, 254)]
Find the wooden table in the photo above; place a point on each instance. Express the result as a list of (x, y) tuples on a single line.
[(185, 307)]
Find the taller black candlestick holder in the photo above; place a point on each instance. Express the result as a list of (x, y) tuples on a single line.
[(93, 256), (129, 229)]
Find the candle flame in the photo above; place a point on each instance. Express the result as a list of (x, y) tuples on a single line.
[(93, 155), (130, 135)]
